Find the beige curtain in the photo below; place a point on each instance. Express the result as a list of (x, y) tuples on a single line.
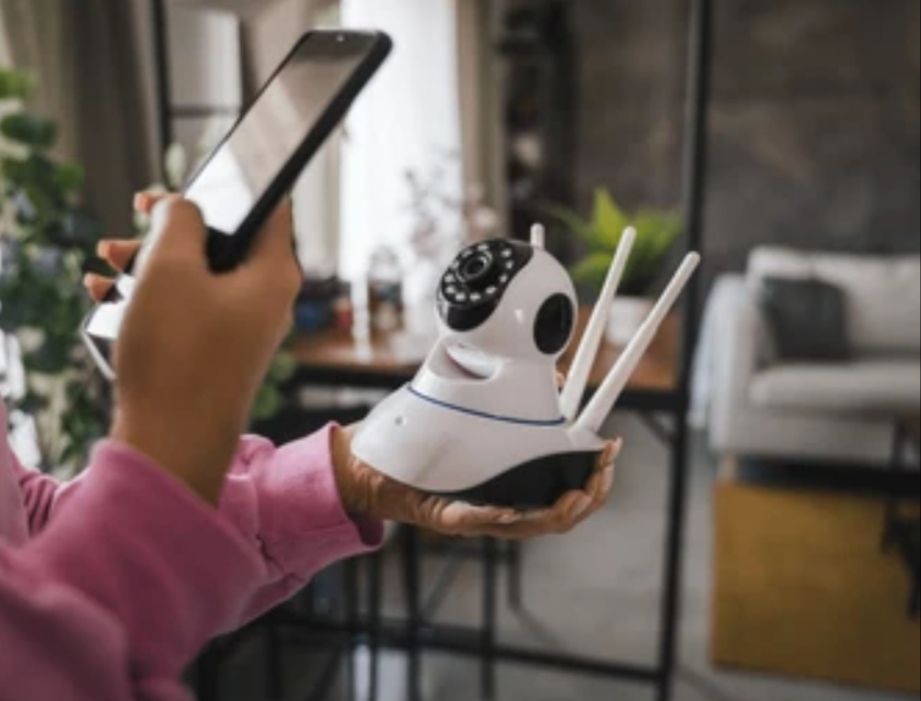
[(270, 32), (94, 59), (480, 87)]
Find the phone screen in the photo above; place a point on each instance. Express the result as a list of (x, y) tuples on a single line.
[(247, 166), (244, 167)]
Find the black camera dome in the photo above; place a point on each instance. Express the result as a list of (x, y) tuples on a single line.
[(472, 288)]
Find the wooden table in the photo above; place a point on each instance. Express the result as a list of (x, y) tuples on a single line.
[(389, 361)]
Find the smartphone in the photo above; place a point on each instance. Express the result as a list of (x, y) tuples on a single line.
[(252, 169)]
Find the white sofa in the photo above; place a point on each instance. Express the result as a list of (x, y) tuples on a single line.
[(835, 412)]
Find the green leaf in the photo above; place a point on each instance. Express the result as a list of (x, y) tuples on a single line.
[(574, 223), (269, 402), (81, 230), (657, 233), (69, 177), (591, 272), (12, 316), (609, 219), (32, 403), (29, 130), (50, 358), (283, 368), (15, 85)]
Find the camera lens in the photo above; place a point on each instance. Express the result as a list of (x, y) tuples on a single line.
[(476, 267)]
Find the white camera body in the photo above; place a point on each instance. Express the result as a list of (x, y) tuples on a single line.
[(484, 419)]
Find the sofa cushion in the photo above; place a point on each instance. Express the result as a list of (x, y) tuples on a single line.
[(807, 318), (883, 293), (859, 386)]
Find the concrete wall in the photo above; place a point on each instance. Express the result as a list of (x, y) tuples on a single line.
[(815, 120)]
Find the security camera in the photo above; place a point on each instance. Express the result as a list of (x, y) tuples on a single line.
[(484, 420)]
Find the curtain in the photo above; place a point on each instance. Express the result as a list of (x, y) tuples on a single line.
[(94, 59), (480, 94), (408, 121)]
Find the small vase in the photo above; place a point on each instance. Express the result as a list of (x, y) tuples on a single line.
[(626, 317)]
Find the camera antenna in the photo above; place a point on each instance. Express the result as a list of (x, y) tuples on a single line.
[(581, 368), (615, 383), (539, 236)]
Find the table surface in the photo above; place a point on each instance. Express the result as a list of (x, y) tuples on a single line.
[(398, 355)]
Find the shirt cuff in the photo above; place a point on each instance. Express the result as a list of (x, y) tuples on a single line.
[(302, 521)]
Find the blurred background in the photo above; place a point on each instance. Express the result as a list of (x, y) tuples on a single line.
[(764, 542)]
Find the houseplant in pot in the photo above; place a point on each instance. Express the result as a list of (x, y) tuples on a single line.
[(47, 242), (657, 231)]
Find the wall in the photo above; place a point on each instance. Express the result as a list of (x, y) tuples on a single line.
[(815, 118)]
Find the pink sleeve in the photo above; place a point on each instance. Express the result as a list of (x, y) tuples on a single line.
[(39, 493), (286, 503), (133, 574), (127, 582), (283, 501)]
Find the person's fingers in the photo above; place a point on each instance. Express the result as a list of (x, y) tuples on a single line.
[(556, 520), (97, 286), (572, 509), (144, 202), (177, 234), (607, 467), (456, 518), (117, 253), (569, 511)]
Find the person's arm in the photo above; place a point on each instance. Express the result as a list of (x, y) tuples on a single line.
[(286, 503), (41, 494), (125, 584)]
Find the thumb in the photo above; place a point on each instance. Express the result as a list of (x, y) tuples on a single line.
[(177, 234)]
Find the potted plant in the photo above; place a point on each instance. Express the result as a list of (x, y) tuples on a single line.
[(46, 241), (656, 234)]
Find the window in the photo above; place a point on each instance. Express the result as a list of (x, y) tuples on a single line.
[(407, 121)]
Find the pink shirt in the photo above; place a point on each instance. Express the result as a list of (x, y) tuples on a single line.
[(111, 584)]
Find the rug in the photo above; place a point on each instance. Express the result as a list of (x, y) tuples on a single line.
[(804, 590)]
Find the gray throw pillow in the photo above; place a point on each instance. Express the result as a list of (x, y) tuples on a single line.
[(807, 318)]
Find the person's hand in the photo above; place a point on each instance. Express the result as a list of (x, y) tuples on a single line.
[(194, 347), (368, 493)]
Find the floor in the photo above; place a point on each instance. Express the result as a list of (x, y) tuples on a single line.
[(596, 592)]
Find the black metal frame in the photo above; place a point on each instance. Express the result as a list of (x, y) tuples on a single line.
[(900, 530), (415, 635), (161, 59)]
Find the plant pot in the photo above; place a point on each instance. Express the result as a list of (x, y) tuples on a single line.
[(626, 317)]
